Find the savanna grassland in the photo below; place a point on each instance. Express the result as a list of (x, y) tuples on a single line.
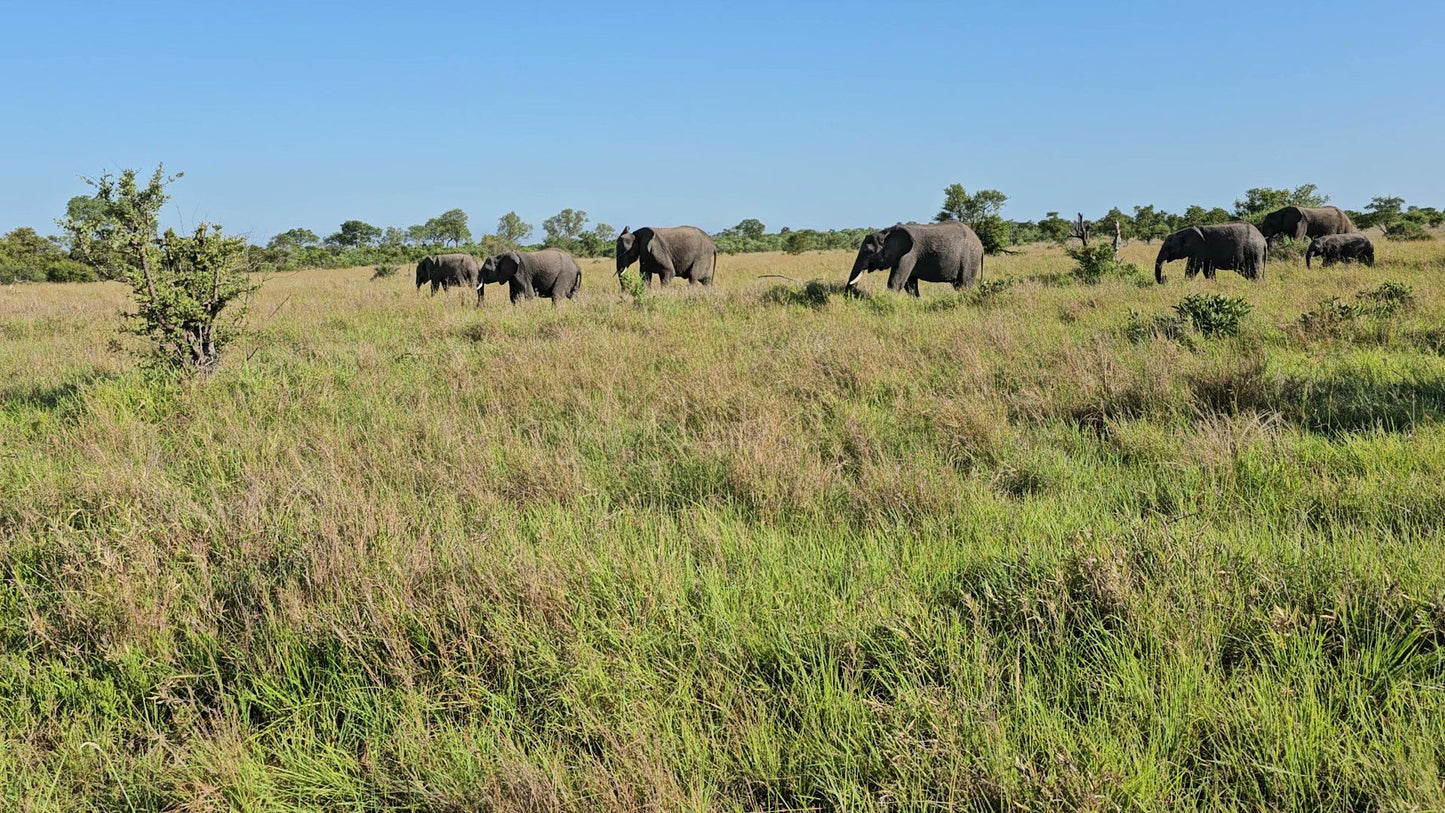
[(763, 547)]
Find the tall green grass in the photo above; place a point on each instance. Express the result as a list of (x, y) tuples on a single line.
[(763, 547)]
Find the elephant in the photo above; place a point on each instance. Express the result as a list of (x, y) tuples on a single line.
[(446, 270), (680, 251), (935, 252), (551, 273), (1338, 248), (1229, 246), (1297, 222)]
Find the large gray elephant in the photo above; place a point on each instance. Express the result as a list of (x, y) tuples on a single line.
[(1228, 246), (1298, 222), (1339, 248), (448, 270), (681, 251), (550, 273), (912, 252)]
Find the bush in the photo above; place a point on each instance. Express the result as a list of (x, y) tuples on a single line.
[(66, 270), (1332, 316), (1405, 230), (182, 285), (994, 232), (1097, 261), (1389, 298), (1212, 314), (15, 271), (385, 271), (1288, 248)]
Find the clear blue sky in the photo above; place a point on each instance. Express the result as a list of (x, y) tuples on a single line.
[(809, 115)]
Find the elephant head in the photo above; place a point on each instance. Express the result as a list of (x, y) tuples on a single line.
[(1182, 244), (423, 272), (629, 247), (881, 249), (1315, 250)]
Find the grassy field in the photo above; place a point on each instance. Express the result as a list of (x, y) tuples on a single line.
[(760, 547)]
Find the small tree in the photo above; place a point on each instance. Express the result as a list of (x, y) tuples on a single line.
[(513, 229), (1150, 223), (598, 241), (450, 227), (182, 285), (980, 211), (565, 227), (751, 228), (1054, 228), (354, 233)]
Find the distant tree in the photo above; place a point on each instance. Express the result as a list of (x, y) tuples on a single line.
[(1150, 224), (1054, 228), (513, 229), (293, 239), (449, 227), (184, 286), (422, 235), (1260, 201), (599, 241), (394, 237), (800, 241), (980, 211), (1200, 216), (751, 228), (354, 233), (1380, 211), (1105, 224), (564, 228)]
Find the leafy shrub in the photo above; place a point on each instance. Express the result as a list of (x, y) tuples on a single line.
[(385, 271), (66, 270), (989, 291), (1095, 262), (16, 271), (1288, 248), (1332, 316), (1404, 230), (1389, 298), (994, 232), (632, 284), (1213, 314)]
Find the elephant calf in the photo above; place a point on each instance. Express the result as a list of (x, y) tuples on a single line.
[(1339, 248), (1229, 246), (936, 252), (550, 273), (447, 270)]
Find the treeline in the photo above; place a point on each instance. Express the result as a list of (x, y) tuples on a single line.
[(25, 255)]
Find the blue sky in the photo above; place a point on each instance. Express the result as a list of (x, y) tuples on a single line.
[(809, 115)]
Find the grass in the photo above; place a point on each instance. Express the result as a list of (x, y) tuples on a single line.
[(762, 547)]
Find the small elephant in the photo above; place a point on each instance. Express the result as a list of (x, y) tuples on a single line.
[(935, 252), (1338, 248), (1229, 246), (447, 270), (1298, 222), (550, 273), (681, 251)]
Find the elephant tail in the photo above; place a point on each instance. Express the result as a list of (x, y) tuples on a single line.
[(577, 285)]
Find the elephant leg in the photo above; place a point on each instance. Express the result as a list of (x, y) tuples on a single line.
[(911, 286), (899, 277), (647, 279), (666, 277)]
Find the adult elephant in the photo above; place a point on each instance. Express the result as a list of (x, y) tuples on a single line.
[(550, 273), (1299, 222), (1228, 246), (1339, 248), (935, 252), (448, 270), (680, 251)]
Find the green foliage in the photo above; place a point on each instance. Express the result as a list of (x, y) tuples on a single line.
[(1288, 248), (1405, 230), (797, 242), (632, 285), (512, 229), (1094, 262), (599, 241), (1104, 226), (1054, 228), (354, 233), (1389, 298), (385, 271), (294, 239), (183, 286), (1151, 224), (25, 256), (748, 229), (64, 269), (448, 228), (1260, 201), (980, 211), (1200, 216), (564, 228), (1213, 315)]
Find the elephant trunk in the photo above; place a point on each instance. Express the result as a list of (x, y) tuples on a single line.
[(1159, 265), (1309, 254), (860, 265)]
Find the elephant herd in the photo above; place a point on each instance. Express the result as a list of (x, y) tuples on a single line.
[(911, 253)]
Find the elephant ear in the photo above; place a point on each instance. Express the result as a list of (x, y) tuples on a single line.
[(657, 250), (897, 242), (509, 266)]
